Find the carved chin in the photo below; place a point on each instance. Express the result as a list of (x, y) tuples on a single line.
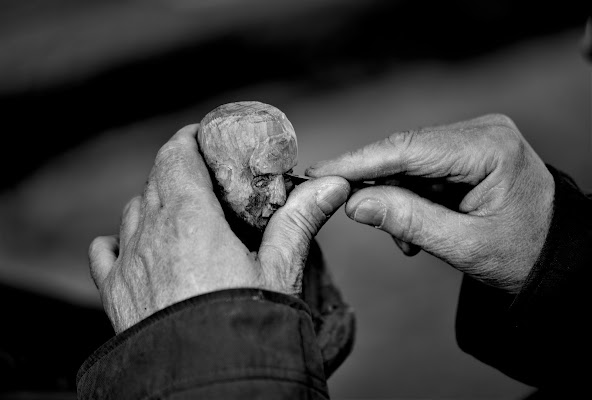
[(261, 222), (257, 213), (257, 221)]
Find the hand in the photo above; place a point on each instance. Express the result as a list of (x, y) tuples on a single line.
[(499, 228), (174, 242)]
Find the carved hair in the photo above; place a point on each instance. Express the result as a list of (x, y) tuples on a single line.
[(245, 133)]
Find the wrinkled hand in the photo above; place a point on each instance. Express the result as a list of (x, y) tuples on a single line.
[(174, 242), (501, 224)]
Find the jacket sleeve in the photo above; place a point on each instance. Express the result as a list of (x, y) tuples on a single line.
[(540, 336), (239, 343)]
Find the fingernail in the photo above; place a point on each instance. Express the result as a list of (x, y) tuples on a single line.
[(370, 212), (331, 197), (311, 170)]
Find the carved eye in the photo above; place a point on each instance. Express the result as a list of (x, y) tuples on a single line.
[(260, 182)]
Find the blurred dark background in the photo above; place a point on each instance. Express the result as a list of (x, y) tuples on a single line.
[(90, 90)]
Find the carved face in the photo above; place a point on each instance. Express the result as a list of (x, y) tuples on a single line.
[(249, 146)]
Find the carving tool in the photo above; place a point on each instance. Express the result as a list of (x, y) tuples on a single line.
[(298, 179), (437, 190)]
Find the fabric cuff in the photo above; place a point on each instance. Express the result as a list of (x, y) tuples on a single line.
[(225, 336)]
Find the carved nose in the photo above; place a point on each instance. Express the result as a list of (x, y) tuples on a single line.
[(277, 191)]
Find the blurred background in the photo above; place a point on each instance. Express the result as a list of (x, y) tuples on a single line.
[(90, 90)]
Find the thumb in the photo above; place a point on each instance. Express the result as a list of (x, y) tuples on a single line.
[(286, 240), (446, 234)]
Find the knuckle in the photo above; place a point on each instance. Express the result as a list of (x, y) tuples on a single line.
[(352, 154), (400, 140), (402, 143), (506, 139), (188, 129), (512, 146), (503, 128), (516, 149), (500, 134), (411, 225), (402, 220), (185, 134), (500, 120), (166, 152)]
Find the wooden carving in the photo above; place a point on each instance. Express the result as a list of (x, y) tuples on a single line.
[(248, 146)]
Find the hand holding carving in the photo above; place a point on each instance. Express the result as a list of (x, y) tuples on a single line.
[(175, 243)]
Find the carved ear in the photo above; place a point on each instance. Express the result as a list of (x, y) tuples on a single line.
[(223, 174)]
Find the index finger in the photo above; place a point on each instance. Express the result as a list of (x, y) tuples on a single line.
[(375, 160), (179, 169), (441, 151)]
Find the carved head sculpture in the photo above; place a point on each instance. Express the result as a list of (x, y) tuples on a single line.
[(249, 146)]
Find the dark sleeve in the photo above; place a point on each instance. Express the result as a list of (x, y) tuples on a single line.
[(541, 336), (231, 344)]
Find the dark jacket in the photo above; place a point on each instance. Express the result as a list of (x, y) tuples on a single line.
[(541, 336), (247, 343), (231, 344)]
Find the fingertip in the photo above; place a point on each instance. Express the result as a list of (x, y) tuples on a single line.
[(130, 218), (102, 253), (310, 171), (187, 132), (103, 244), (315, 170)]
